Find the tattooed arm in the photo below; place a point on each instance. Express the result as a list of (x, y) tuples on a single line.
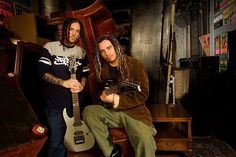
[(52, 79), (74, 85)]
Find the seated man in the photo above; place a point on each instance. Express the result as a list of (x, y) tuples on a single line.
[(124, 108)]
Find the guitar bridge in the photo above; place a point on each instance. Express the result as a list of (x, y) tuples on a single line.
[(78, 139)]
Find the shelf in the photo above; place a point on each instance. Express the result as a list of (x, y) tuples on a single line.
[(223, 8), (170, 133), (169, 113), (225, 28), (229, 14), (173, 125)]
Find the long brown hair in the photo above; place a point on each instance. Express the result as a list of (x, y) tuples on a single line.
[(99, 61), (66, 29)]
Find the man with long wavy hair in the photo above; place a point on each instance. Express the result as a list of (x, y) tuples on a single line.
[(54, 69), (125, 109)]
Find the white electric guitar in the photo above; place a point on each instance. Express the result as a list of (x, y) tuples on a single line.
[(78, 136)]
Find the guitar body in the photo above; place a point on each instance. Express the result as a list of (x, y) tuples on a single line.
[(84, 140)]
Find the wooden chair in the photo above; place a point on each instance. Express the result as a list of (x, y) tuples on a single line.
[(120, 137)]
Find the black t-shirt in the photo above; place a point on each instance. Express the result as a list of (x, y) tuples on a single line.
[(56, 61)]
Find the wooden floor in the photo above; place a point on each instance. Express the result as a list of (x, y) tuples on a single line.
[(93, 153), (96, 152)]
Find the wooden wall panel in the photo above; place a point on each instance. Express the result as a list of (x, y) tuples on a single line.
[(146, 39)]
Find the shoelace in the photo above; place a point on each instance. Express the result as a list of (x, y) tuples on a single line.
[(113, 155)]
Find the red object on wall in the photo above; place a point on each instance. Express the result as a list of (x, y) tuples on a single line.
[(6, 9)]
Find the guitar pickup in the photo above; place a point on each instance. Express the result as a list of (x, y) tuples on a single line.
[(79, 139)]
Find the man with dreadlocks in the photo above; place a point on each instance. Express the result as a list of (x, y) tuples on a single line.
[(125, 109), (54, 69)]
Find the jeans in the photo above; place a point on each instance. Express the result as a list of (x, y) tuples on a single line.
[(57, 128)]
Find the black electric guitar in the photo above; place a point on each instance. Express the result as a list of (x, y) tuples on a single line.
[(124, 86), (78, 137)]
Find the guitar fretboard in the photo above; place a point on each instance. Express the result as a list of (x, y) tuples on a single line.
[(76, 108)]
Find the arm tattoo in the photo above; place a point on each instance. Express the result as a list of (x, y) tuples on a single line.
[(52, 79)]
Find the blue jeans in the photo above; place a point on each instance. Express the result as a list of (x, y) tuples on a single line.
[(57, 128)]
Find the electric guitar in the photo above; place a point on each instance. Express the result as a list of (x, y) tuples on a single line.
[(124, 86), (78, 136)]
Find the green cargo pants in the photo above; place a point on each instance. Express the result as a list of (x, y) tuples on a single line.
[(141, 136)]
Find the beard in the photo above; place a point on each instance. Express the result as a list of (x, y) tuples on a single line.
[(72, 40)]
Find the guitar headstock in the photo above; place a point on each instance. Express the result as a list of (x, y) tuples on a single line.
[(72, 64)]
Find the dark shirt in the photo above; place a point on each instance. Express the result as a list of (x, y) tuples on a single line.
[(56, 61)]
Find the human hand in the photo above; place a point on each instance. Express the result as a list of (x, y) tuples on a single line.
[(74, 85), (107, 98)]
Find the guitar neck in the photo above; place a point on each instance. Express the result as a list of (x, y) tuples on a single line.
[(125, 86), (75, 103), (112, 90)]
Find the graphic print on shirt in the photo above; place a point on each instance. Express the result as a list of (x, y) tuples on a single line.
[(61, 60)]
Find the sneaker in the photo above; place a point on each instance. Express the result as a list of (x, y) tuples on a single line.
[(117, 151)]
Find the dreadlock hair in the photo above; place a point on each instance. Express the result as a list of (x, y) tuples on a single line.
[(99, 61), (66, 29)]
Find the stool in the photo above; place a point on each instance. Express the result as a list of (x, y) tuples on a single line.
[(120, 137)]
